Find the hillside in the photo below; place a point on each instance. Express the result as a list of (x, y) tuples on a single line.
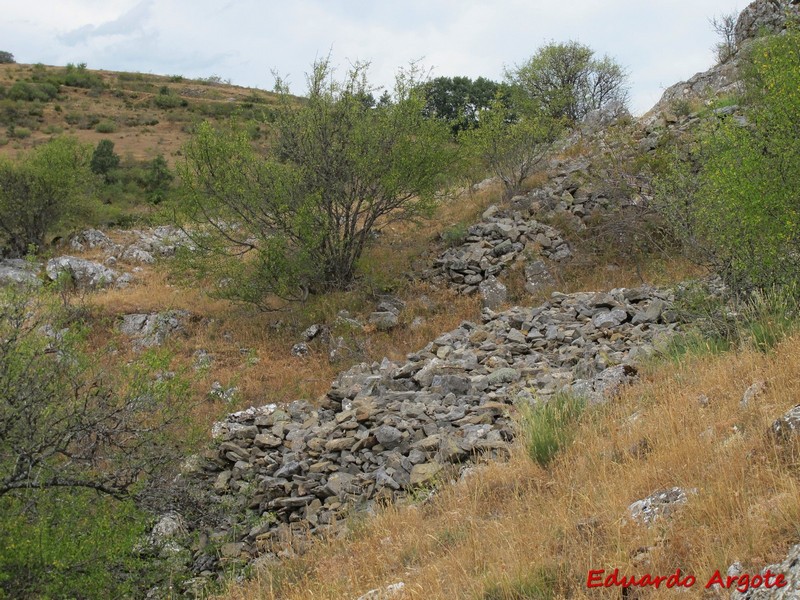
[(520, 391), (143, 114)]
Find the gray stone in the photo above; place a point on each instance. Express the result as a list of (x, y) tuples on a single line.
[(424, 473), (389, 437), (300, 349), (169, 526), (383, 321), (789, 567), (387, 593), (86, 274), (503, 376), (90, 238), (658, 505), (19, 271), (754, 391), (138, 255), (154, 328), (788, 425), (537, 277), (607, 319), (493, 293)]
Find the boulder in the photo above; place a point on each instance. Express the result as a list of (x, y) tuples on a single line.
[(657, 505), (788, 425), (152, 329), (383, 320), (18, 271), (493, 293), (86, 274)]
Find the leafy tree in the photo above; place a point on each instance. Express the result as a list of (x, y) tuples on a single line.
[(509, 144), (568, 81), (737, 196), (337, 170), (6, 57), (40, 191), (459, 100), (104, 159), (157, 179)]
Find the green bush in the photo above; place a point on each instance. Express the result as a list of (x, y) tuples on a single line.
[(454, 235), (70, 544), (569, 81), (759, 319), (40, 191), (509, 144), (105, 127), (27, 91), (541, 584), (165, 99), (104, 159), (81, 441), (548, 426), (733, 194), (19, 133), (79, 76)]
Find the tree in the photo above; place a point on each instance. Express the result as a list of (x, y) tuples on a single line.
[(724, 26), (511, 144), (157, 179), (337, 170), (739, 194), (6, 57), (104, 159), (458, 100), (40, 191), (568, 81)]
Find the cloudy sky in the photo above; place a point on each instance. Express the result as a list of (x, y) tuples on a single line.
[(659, 41)]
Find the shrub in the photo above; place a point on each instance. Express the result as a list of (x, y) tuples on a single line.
[(6, 57), (28, 91), (732, 196), (166, 99), (105, 127), (548, 426), (80, 442), (38, 192), (157, 179), (79, 76), (510, 145), (104, 159), (19, 133)]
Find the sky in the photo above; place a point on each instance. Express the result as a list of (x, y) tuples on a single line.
[(659, 42)]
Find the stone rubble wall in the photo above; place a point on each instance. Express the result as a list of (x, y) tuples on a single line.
[(384, 429)]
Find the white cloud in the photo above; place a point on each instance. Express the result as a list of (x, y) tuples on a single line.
[(659, 42)]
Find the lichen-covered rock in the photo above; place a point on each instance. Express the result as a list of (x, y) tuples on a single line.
[(152, 329), (789, 568), (84, 273), (16, 271), (788, 425), (493, 293), (658, 505)]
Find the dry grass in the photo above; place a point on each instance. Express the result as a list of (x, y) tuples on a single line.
[(512, 525)]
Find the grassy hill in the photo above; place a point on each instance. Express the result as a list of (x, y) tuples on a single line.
[(143, 114)]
